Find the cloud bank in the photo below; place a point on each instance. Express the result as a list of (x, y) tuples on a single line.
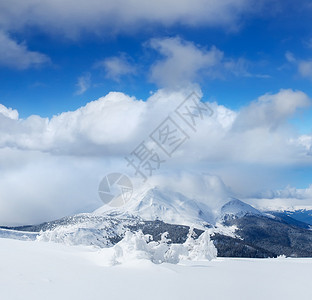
[(76, 16)]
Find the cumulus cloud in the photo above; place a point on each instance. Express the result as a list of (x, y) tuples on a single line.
[(109, 124), (271, 110), (305, 141), (17, 56), (289, 192), (117, 66), (183, 62), (100, 127), (83, 83), (304, 67), (46, 162), (76, 16), (8, 112)]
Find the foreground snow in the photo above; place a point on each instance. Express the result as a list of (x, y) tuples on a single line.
[(38, 270)]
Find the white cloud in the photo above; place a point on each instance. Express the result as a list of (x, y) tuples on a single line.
[(36, 187), (46, 162), (183, 62), (305, 141), (112, 124), (289, 198), (17, 56), (9, 112), (204, 187), (101, 126), (76, 16), (271, 110), (116, 67), (83, 83), (304, 67), (289, 192)]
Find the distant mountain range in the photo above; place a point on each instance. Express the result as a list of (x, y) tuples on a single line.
[(240, 230), (301, 215)]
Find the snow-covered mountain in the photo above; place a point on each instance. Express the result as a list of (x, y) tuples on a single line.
[(165, 205), (239, 231), (237, 208)]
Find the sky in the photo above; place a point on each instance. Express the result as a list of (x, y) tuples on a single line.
[(84, 83)]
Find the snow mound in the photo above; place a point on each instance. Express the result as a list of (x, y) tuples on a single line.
[(237, 208), (136, 246), (167, 206)]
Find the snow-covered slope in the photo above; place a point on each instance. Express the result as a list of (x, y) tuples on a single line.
[(19, 235), (158, 204), (237, 208), (32, 270)]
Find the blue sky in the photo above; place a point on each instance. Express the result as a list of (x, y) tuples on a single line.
[(260, 38), (62, 128)]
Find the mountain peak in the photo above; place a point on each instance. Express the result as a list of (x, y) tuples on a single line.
[(238, 208), (163, 204)]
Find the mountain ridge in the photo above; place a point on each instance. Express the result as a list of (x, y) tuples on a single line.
[(243, 231)]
